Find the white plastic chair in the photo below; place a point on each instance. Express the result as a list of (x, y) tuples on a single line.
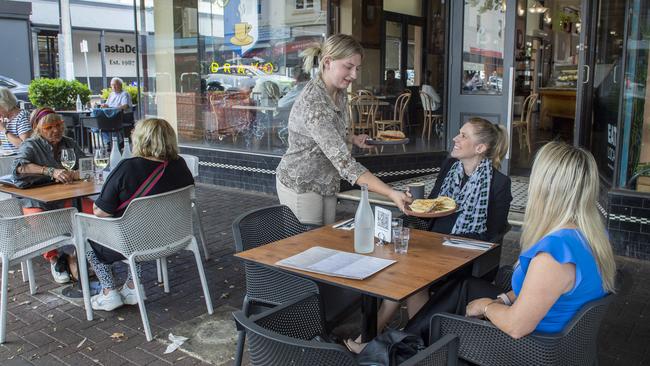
[(23, 237), (193, 164), (152, 227)]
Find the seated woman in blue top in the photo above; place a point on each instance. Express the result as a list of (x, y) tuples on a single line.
[(566, 259)]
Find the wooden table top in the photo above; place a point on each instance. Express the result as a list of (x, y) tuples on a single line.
[(426, 262), (54, 192)]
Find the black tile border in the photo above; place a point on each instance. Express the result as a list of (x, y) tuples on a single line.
[(257, 172), (628, 223)]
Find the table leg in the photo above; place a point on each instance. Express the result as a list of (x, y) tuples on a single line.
[(369, 318)]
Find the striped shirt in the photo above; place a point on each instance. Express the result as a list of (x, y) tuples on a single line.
[(17, 126)]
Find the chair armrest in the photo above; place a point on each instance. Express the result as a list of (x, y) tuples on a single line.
[(21, 232), (482, 343), (102, 230), (10, 208), (302, 318), (444, 351), (503, 278)]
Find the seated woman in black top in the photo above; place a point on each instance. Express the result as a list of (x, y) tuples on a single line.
[(154, 147), (471, 177)]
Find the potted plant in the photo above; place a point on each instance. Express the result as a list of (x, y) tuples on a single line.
[(59, 94)]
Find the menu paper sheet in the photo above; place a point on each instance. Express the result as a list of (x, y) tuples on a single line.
[(336, 263)]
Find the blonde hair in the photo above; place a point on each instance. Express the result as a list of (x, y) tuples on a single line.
[(563, 190), (336, 47), (155, 137), (493, 136)]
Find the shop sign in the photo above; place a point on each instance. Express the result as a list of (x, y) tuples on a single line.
[(228, 68), (611, 145)]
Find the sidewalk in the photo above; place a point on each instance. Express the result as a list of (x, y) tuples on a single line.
[(45, 330)]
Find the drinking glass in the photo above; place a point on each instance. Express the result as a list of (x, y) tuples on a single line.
[(68, 159), (402, 245), (396, 227), (100, 159)]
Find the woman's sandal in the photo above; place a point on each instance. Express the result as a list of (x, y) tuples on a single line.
[(353, 346)]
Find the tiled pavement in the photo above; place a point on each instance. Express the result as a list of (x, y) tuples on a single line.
[(45, 330)]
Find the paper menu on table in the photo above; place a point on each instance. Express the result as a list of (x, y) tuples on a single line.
[(336, 263)]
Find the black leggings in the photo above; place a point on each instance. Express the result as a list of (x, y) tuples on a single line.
[(452, 297)]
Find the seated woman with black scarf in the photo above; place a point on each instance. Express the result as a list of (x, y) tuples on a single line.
[(482, 193), (471, 177)]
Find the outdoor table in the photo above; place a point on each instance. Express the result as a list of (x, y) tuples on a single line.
[(426, 263), (55, 192)]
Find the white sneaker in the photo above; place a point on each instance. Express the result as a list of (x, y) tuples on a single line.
[(59, 277), (108, 302), (129, 296)]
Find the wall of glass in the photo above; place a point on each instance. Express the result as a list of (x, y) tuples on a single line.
[(227, 71), (483, 45), (635, 149)]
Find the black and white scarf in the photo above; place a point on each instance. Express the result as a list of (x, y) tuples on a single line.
[(472, 199)]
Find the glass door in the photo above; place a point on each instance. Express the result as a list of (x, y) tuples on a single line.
[(403, 52), (481, 64), (607, 83), (393, 58)]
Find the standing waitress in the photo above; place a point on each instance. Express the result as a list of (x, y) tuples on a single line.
[(309, 174)]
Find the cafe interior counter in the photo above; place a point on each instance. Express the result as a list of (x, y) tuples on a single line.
[(557, 103)]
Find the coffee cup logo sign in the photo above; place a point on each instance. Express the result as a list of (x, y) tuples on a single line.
[(227, 68), (241, 37)]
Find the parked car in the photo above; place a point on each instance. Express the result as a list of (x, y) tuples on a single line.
[(19, 89), (244, 77)]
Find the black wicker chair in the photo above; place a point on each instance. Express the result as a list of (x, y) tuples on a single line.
[(482, 343), (267, 286), (293, 334)]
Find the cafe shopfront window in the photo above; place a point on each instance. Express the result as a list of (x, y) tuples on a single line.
[(634, 167), (227, 71)]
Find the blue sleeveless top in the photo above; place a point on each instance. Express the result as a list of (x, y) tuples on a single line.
[(565, 246)]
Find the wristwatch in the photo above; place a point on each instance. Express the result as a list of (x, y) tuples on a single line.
[(49, 171), (506, 300)]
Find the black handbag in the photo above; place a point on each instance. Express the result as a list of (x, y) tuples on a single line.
[(392, 347), (26, 181)]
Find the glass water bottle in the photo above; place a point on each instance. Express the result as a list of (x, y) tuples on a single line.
[(364, 222)]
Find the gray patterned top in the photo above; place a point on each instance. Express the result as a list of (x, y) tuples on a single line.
[(318, 154)]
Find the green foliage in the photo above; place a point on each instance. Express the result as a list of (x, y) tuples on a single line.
[(59, 94), (133, 91), (643, 168)]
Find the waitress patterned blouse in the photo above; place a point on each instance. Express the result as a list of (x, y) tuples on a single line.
[(318, 154)]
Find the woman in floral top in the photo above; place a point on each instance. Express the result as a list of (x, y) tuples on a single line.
[(309, 174)]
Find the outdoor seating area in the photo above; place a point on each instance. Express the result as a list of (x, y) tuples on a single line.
[(325, 183), (45, 328)]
